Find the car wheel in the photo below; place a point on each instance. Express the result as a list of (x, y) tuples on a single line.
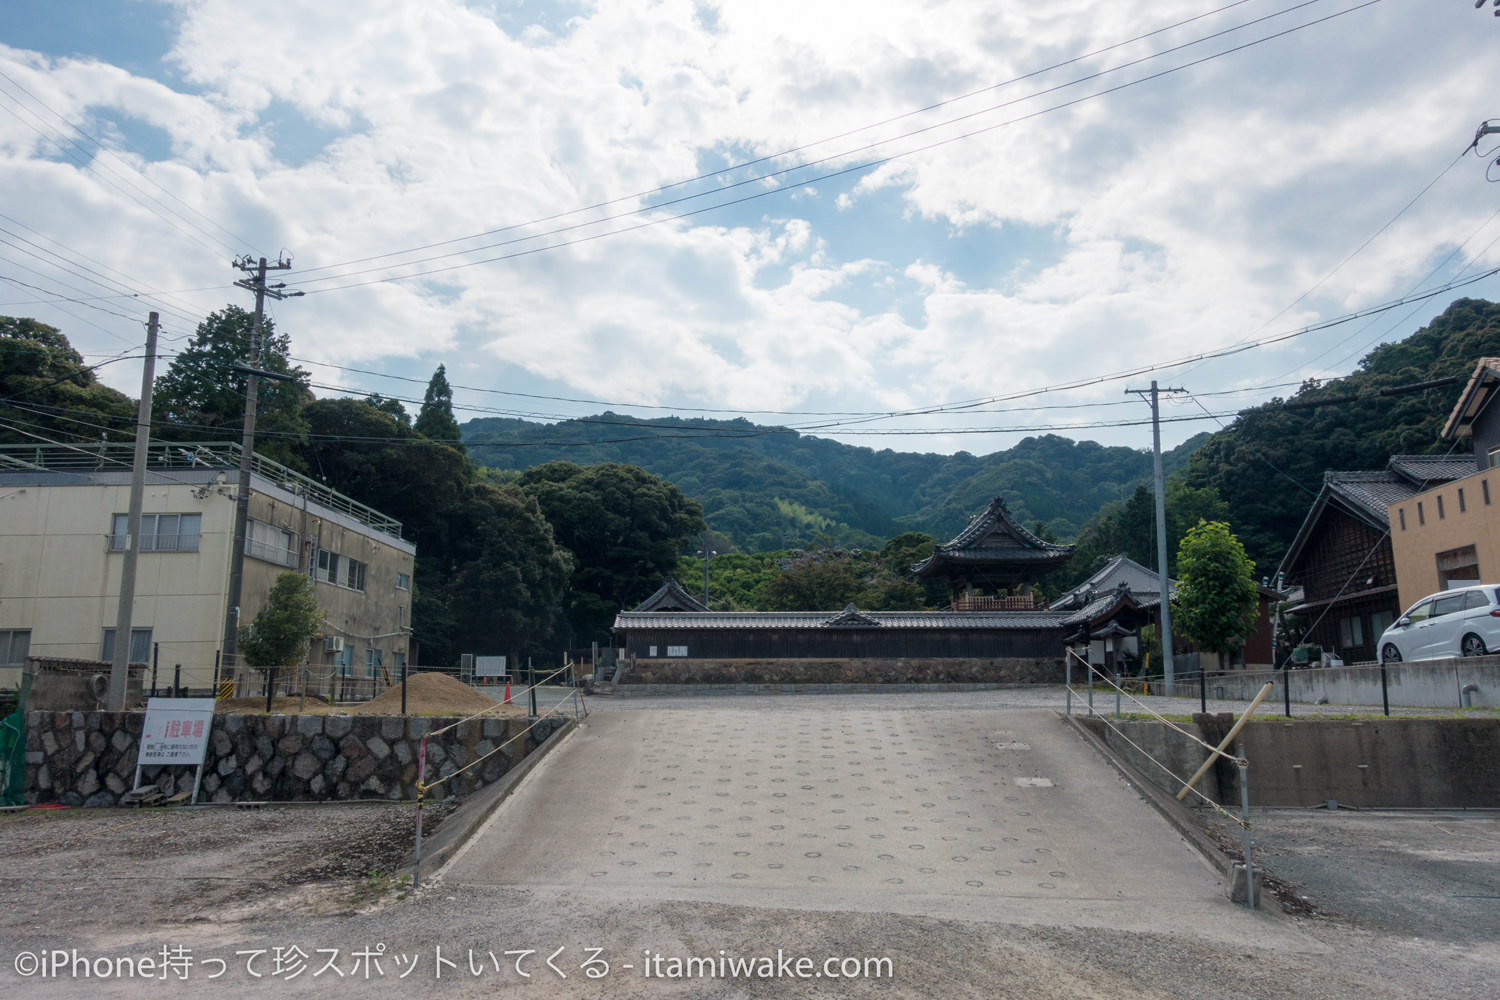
[(1472, 645), (1390, 654)]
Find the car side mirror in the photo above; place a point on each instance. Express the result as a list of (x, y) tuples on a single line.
[(1403, 621)]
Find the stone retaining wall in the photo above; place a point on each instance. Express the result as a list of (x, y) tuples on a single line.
[(89, 758), (1048, 670)]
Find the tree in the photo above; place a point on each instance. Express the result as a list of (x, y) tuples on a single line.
[(280, 633), (624, 528), (436, 419), (1216, 594), (503, 581), (47, 389), (204, 397)]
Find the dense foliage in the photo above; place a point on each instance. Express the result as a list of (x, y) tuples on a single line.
[(769, 488), (1269, 464), (1216, 596), (624, 528), (47, 390), (280, 633)]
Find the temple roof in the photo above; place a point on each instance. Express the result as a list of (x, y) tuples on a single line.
[(993, 540), (671, 597)]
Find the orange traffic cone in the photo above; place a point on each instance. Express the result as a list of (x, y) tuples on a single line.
[(507, 690)]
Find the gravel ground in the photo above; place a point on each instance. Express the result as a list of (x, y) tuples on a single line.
[(223, 881), (1432, 876)]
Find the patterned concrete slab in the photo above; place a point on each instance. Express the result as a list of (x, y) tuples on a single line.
[(981, 814)]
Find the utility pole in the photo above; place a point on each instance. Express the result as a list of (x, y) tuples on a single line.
[(257, 284), (1161, 533), (119, 668)]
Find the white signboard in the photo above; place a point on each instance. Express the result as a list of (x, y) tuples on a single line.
[(489, 666), (176, 731)]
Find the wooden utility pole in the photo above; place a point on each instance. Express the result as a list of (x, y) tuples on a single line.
[(253, 373), (119, 668)]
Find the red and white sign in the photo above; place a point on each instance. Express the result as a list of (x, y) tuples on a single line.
[(176, 731)]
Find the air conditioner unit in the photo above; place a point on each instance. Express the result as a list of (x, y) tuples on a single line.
[(333, 644)]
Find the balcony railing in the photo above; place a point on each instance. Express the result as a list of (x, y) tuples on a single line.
[(157, 543), (271, 553)]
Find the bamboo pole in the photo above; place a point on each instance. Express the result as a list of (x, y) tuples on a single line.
[(1234, 731)]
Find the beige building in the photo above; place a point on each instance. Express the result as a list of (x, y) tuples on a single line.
[(62, 541), (1449, 536)]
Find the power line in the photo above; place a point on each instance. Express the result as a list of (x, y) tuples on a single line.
[(869, 164), (771, 157)]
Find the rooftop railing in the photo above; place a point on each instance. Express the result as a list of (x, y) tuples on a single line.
[(164, 456)]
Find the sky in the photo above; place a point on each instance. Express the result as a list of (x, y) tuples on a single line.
[(895, 224)]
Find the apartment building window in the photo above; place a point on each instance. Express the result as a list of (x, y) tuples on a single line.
[(273, 544), (140, 645), (1441, 515), (15, 644), (1484, 488), (1458, 567), (1380, 621), (1461, 505), (1421, 515), (403, 581), (372, 662), (159, 532), (1401, 516), (339, 570)]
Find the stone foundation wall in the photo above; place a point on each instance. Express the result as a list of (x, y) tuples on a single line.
[(88, 758), (1048, 670)]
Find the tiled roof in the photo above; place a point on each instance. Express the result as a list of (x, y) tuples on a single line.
[(993, 536), (1142, 582), (1473, 399), (1370, 493), (671, 596), (1432, 469), (830, 619)]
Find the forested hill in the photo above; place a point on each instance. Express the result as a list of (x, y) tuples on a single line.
[(1266, 506), (769, 488)]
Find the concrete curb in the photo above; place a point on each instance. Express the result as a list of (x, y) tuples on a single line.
[(630, 690), (1178, 815), (471, 815)]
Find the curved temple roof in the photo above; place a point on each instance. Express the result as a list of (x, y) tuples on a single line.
[(993, 540)]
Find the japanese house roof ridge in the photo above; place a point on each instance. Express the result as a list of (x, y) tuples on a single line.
[(822, 619), (671, 590)]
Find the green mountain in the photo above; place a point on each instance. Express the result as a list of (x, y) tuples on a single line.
[(1269, 463), (771, 488)]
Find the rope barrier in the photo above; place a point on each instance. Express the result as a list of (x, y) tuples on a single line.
[(422, 787), (1147, 709), (487, 711), (1215, 751)]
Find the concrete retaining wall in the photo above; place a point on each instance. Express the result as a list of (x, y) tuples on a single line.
[(1047, 670), (1390, 763), (88, 758), (1422, 684)]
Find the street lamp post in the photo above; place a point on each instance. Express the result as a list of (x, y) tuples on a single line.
[(707, 555)]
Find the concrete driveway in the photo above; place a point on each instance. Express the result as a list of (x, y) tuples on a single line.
[(864, 804)]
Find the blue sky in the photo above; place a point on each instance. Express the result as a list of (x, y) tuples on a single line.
[(1017, 234)]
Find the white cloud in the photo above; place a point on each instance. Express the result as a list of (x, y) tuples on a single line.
[(1172, 216)]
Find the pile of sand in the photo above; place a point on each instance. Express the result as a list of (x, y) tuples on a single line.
[(431, 694)]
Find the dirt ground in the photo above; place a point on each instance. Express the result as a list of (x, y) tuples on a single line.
[(227, 883), (426, 694)]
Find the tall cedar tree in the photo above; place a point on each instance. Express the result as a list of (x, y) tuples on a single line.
[(201, 398), (436, 418)]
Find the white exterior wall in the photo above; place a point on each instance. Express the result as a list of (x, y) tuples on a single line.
[(59, 580)]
